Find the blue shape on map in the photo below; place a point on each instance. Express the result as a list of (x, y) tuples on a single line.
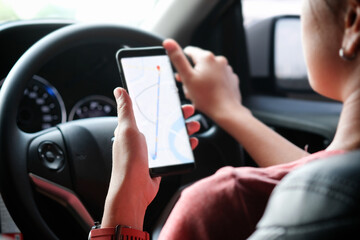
[(176, 127)]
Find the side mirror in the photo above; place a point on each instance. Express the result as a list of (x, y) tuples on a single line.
[(290, 70), (277, 62)]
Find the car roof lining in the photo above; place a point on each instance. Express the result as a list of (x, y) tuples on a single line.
[(180, 18)]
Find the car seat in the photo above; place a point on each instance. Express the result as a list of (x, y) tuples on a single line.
[(318, 201)]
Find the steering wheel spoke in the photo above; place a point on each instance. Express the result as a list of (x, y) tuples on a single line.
[(49, 172), (65, 197), (47, 158)]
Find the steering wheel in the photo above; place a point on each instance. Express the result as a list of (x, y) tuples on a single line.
[(70, 163)]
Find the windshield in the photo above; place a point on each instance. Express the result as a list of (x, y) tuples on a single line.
[(129, 12)]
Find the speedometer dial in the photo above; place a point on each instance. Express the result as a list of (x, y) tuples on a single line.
[(93, 106), (41, 106)]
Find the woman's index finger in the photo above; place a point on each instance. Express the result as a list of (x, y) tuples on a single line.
[(178, 58)]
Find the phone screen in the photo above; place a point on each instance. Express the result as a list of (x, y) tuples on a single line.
[(157, 108)]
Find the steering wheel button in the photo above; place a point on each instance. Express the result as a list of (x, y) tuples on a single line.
[(51, 155)]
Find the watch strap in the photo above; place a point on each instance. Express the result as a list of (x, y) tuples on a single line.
[(102, 234)]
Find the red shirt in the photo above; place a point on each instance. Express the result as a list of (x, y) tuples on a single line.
[(228, 204)]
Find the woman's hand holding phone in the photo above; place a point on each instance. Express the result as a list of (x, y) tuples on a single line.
[(131, 188)]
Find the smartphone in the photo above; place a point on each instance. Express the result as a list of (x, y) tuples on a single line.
[(147, 75)]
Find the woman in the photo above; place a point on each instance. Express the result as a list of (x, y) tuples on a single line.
[(230, 203)]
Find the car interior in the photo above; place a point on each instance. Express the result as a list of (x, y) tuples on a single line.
[(58, 114)]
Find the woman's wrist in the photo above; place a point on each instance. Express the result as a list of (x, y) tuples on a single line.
[(120, 210), (226, 114), (124, 206)]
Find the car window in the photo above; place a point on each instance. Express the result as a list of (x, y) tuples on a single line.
[(121, 11), (255, 10)]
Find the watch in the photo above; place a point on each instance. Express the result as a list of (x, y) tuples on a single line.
[(120, 232)]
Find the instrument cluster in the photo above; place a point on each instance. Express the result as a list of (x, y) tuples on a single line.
[(42, 106)]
